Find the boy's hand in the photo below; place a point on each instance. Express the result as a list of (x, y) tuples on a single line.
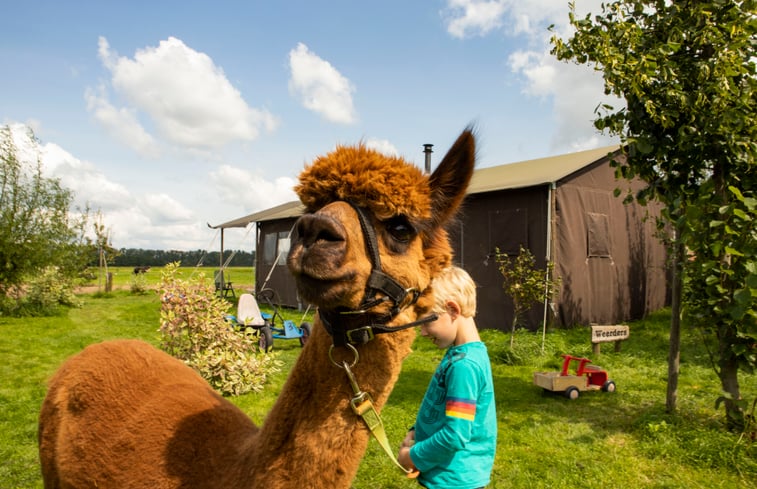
[(404, 459), (409, 440), (404, 455)]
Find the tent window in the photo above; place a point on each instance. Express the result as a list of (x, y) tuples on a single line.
[(283, 247), (598, 239), (508, 230), (269, 248)]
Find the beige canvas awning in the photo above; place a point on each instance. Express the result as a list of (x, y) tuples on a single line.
[(288, 209), (534, 172)]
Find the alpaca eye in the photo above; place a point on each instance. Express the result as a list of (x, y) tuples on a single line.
[(400, 229)]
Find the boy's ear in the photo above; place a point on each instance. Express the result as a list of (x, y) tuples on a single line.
[(453, 308)]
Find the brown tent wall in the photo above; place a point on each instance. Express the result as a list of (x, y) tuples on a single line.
[(272, 246), (611, 264), (502, 220)]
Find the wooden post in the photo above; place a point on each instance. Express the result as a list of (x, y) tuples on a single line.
[(219, 279)]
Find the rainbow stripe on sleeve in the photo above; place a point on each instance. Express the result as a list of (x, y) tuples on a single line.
[(461, 408)]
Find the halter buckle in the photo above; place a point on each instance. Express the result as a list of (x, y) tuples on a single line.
[(360, 336), (411, 297)]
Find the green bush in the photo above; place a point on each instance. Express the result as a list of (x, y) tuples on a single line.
[(194, 329), (50, 289), (138, 284), (47, 294)]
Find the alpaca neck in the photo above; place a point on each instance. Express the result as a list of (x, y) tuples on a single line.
[(311, 432)]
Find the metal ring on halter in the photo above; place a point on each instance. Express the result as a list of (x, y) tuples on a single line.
[(354, 350)]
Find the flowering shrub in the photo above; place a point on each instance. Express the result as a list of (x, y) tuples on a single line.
[(193, 329)]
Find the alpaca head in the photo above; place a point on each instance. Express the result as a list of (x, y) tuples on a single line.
[(403, 212)]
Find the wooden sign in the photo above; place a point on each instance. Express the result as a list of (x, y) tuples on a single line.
[(605, 334)]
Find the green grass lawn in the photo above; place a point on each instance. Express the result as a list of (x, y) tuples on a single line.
[(619, 440), (242, 278)]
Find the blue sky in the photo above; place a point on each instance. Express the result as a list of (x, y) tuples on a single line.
[(168, 115)]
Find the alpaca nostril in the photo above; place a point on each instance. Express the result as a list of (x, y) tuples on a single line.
[(312, 229), (328, 235)]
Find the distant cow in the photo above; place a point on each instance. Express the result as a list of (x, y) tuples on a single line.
[(142, 269)]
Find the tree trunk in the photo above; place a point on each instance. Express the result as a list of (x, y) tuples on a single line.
[(729, 379), (512, 330), (674, 352), (728, 366)]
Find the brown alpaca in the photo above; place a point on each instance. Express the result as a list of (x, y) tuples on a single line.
[(122, 414)]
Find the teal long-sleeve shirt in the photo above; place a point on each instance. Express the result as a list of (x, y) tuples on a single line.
[(456, 426)]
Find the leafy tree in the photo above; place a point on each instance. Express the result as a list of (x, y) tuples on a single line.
[(686, 71), (37, 228), (722, 282), (525, 284)]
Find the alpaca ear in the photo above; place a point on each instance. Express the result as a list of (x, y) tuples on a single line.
[(449, 181)]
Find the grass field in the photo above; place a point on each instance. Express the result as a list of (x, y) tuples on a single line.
[(242, 278), (601, 440)]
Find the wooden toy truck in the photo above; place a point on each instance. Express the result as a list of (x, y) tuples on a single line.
[(587, 377)]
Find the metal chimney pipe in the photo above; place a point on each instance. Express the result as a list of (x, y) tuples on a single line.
[(427, 150)]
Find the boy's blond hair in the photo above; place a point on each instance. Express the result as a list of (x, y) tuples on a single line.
[(454, 284)]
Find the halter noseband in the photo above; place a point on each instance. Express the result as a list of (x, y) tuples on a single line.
[(380, 288)]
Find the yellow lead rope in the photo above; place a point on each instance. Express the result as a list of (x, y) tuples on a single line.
[(362, 405)]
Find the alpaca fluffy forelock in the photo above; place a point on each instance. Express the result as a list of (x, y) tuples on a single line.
[(387, 185)]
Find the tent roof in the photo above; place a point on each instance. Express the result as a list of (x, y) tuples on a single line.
[(289, 209), (508, 176), (534, 172)]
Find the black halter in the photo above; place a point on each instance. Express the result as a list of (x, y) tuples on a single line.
[(344, 326)]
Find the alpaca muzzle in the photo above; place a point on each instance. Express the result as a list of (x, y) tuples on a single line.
[(348, 326)]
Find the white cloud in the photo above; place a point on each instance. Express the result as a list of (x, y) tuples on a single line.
[(90, 186), (186, 97), (25, 146), (467, 18), (320, 87), (254, 193), (122, 124), (573, 90), (164, 209), (151, 220), (156, 221), (132, 228), (540, 71), (34, 124), (382, 146)]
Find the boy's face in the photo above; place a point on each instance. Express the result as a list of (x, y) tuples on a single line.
[(443, 331)]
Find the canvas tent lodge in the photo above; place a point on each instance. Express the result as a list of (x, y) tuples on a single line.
[(562, 208)]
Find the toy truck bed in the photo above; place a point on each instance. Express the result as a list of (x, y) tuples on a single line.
[(553, 381)]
